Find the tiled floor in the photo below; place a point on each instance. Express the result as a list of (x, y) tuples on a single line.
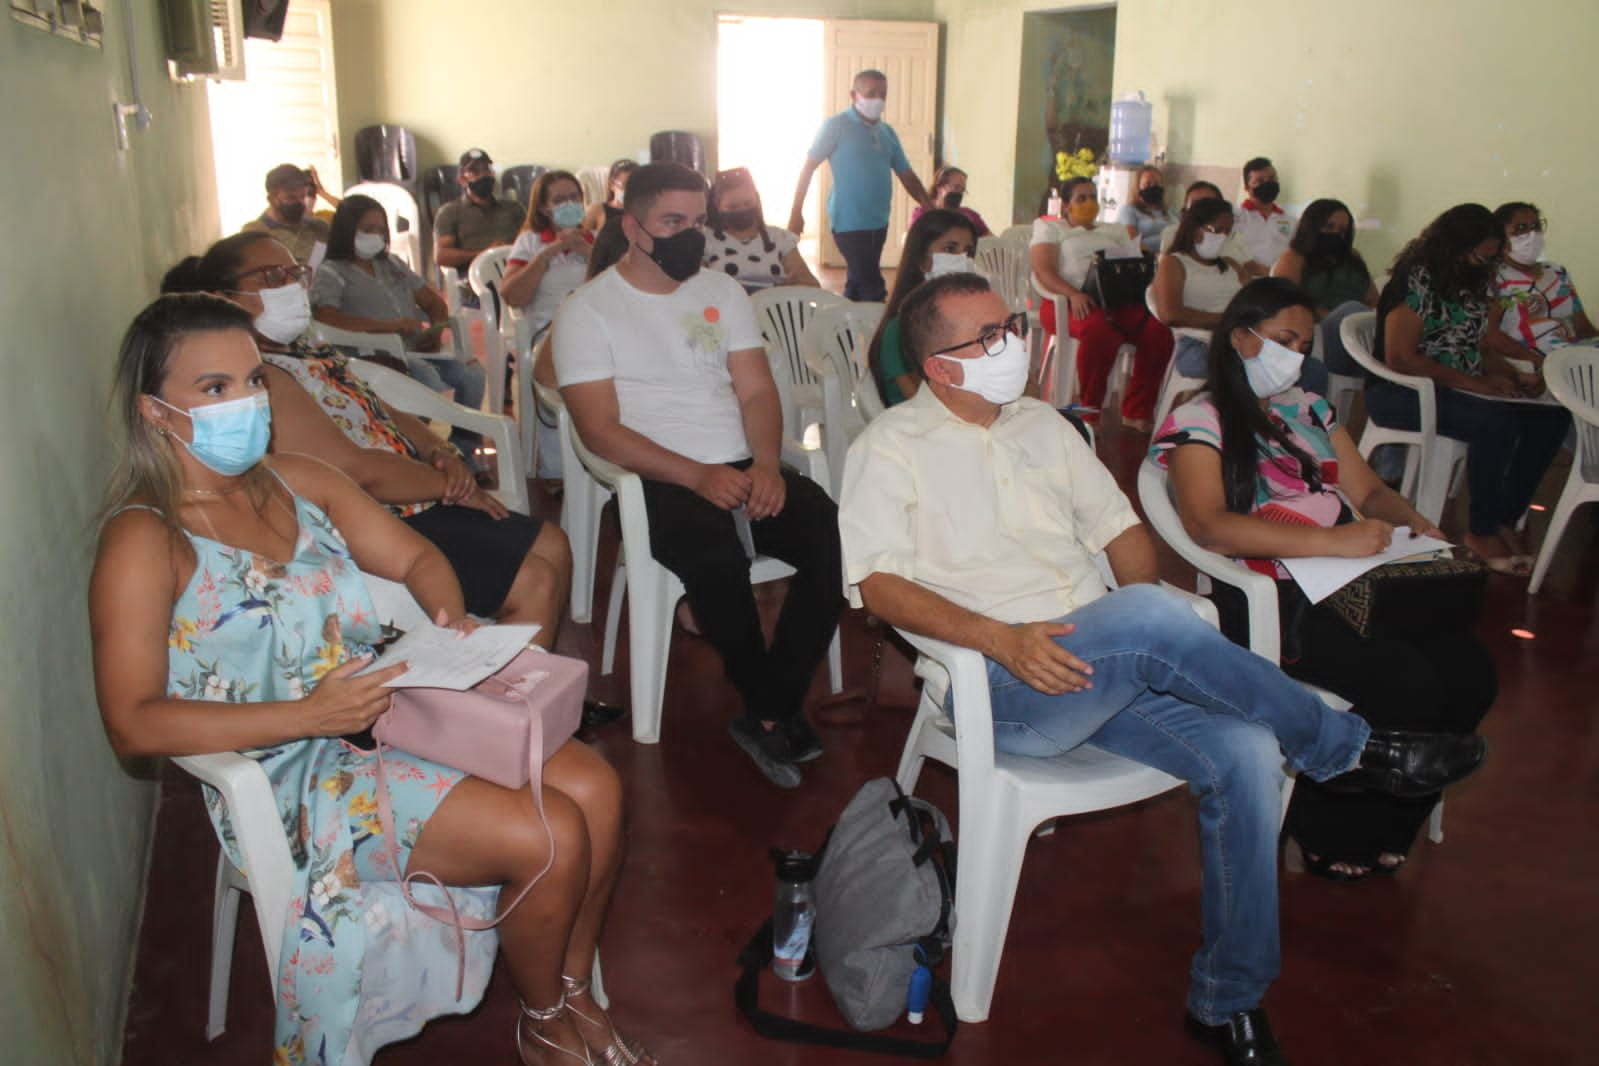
[(1481, 953)]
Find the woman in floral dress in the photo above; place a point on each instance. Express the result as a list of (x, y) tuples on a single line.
[(225, 578)]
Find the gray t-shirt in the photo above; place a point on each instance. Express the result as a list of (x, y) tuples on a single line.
[(389, 292)]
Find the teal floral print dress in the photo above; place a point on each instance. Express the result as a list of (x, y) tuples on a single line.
[(358, 968)]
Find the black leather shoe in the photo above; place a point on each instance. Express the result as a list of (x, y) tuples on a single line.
[(596, 714), (1245, 1039), (1412, 764)]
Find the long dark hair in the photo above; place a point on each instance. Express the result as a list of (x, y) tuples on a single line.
[(346, 217), (923, 234), (1443, 246), (1201, 214), (1239, 416), (1317, 215), (726, 181)]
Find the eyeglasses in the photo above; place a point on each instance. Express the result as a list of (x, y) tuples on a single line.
[(993, 337), (1521, 228), (275, 276)]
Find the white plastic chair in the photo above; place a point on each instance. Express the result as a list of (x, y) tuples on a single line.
[(1572, 376), (595, 182), (408, 394), (1022, 231), (1003, 262), (654, 590), (405, 220), (391, 344), (1061, 359), (782, 314), (450, 283), (583, 500), (1003, 799), (1341, 388), (1430, 458), (836, 344), (1175, 383), (485, 273), (1260, 597)]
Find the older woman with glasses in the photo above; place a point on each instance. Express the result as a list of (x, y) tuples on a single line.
[(740, 244)]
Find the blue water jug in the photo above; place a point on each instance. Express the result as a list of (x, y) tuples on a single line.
[(1131, 120)]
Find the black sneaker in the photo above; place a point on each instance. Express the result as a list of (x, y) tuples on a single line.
[(803, 743), (768, 749)]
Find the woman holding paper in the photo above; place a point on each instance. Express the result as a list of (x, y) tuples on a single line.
[(223, 578), (1261, 471)]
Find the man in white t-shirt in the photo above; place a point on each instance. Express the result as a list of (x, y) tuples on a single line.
[(664, 373), (1264, 227)]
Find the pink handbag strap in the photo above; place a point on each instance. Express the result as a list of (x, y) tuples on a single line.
[(451, 915)]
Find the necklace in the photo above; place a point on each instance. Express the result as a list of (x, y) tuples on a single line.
[(230, 490)]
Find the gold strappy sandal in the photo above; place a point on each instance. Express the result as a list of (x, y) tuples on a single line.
[(621, 1051), (546, 1051)]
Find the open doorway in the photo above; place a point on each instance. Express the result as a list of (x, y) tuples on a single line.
[(769, 104)]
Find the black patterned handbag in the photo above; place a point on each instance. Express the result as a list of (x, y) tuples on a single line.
[(1119, 282), (1407, 598)]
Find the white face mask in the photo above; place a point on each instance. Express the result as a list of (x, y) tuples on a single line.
[(999, 379), (1274, 369), (1526, 247), (871, 110), (948, 263), (1209, 245), (370, 245), (285, 312)]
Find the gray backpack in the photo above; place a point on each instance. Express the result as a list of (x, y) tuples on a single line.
[(884, 892)]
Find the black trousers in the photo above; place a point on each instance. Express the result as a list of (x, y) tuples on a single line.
[(697, 541), (1436, 683), (862, 250)]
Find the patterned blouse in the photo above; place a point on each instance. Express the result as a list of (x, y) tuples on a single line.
[(1281, 493), (749, 262), (1538, 312), (1452, 328), (348, 401)]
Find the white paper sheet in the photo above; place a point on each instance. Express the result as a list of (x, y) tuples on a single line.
[(442, 658), (1320, 576)]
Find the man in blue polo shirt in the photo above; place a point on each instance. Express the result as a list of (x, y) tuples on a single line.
[(864, 152)]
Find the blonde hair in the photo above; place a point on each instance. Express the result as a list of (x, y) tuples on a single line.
[(147, 471)]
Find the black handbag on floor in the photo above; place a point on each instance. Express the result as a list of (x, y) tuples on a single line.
[(1407, 598)]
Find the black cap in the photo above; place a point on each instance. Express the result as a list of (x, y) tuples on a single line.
[(474, 155)]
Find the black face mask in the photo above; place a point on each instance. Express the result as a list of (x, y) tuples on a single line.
[(679, 255), (1266, 192), (1330, 246), (292, 212), (952, 200), (748, 218), (482, 188), (1153, 195)]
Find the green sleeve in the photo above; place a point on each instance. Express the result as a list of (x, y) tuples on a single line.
[(891, 362)]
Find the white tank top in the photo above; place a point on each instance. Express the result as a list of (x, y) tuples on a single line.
[(1206, 288)]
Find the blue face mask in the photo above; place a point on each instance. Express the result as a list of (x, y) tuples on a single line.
[(567, 214), (229, 437)]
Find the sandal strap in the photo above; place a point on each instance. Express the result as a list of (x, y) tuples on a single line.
[(575, 986), (545, 1014)]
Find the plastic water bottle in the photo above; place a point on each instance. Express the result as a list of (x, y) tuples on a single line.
[(921, 985), (793, 912), (1131, 124)]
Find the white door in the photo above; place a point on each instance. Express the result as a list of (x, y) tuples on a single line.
[(907, 52), (285, 111)]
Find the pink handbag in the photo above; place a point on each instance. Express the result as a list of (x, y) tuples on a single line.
[(502, 730)]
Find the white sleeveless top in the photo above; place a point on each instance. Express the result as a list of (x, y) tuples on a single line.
[(1206, 288)]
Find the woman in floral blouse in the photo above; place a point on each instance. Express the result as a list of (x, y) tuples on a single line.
[(1432, 321), (229, 612)]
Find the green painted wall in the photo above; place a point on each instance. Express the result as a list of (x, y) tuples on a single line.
[(1064, 97), (1401, 110), (557, 84), (88, 233)]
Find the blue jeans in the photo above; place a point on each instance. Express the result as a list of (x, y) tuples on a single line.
[(862, 250), (1192, 357), (467, 379), (1509, 446), (1173, 693)]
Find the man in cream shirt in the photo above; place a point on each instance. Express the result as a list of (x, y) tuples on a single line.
[(973, 516)]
